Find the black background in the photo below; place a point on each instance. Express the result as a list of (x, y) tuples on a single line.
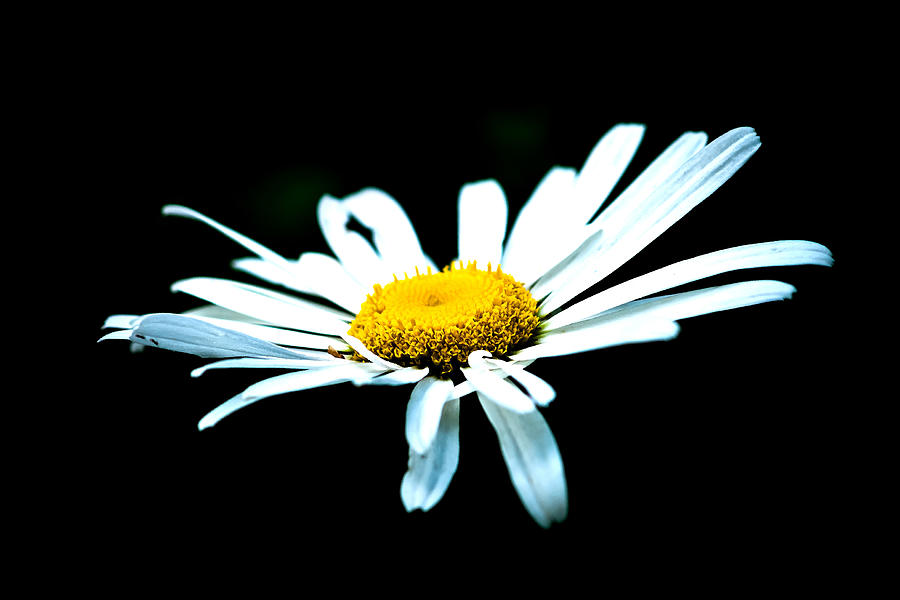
[(724, 450)]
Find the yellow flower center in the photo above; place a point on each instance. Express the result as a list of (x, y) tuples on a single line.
[(436, 319)]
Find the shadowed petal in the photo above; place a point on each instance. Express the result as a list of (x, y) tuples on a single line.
[(430, 473), (533, 459)]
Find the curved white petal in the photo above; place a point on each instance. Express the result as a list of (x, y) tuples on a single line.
[(398, 248), (393, 233), (256, 248), (289, 382), (482, 223), (429, 474), (493, 386), (353, 250), (423, 412), (533, 460), (693, 182), (768, 254), (266, 305)]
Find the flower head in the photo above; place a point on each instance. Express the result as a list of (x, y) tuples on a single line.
[(385, 314)]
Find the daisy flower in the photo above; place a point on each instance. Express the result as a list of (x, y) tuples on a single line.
[(384, 314)]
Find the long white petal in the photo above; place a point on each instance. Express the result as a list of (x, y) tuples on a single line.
[(699, 177), (495, 387), (266, 305), (630, 200), (558, 274), (256, 248), (685, 305), (307, 362), (601, 335), (429, 474), (276, 335), (594, 239), (482, 222), (180, 333), (769, 254), (603, 168), (289, 382), (540, 219), (423, 412), (403, 376), (533, 460)]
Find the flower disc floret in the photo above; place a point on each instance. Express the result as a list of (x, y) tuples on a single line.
[(435, 320)]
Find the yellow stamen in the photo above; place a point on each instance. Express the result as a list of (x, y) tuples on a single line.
[(436, 320)]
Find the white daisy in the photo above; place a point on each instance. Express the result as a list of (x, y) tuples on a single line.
[(393, 317)]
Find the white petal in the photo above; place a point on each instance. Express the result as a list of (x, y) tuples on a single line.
[(769, 254), (180, 333), (353, 250), (601, 335), (276, 335), (423, 413), (540, 219), (120, 321), (266, 305), (314, 273), (603, 168), (403, 376), (694, 181), (689, 304), (533, 460), (124, 334), (290, 382), (482, 223), (323, 275), (552, 224), (574, 262), (398, 248), (361, 349), (429, 474), (256, 248), (393, 233), (324, 360), (494, 387), (541, 392), (629, 201)]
